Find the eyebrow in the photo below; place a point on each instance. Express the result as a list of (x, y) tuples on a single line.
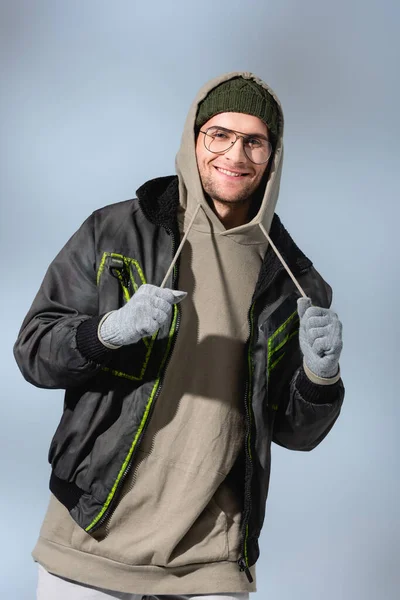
[(260, 135)]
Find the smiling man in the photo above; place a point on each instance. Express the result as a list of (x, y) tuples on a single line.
[(161, 461)]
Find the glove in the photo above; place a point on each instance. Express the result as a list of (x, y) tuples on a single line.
[(320, 338), (148, 309)]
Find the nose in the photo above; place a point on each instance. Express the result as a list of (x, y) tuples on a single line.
[(237, 154)]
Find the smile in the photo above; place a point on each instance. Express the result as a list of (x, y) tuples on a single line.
[(230, 173)]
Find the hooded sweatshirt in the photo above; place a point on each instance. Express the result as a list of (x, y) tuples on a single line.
[(176, 529)]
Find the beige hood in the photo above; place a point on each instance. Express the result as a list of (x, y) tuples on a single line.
[(194, 210), (190, 189)]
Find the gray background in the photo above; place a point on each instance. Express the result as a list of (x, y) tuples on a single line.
[(86, 90)]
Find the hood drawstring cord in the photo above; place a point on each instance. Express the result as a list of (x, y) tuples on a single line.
[(180, 246), (279, 255)]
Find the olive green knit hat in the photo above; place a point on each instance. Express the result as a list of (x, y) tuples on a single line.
[(243, 96)]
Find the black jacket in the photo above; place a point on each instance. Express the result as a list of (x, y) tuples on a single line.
[(110, 394)]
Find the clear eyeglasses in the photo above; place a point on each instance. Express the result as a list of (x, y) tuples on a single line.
[(220, 140)]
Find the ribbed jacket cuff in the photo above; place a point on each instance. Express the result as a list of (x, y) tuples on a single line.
[(316, 393), (88, 343)]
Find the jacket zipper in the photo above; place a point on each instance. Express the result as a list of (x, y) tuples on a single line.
[(111, 506), (243, 561)]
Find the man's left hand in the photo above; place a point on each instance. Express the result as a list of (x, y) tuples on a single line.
[(320, 338)]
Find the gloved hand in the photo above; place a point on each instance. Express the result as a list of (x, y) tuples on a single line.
[(320, 338), (140, 317)]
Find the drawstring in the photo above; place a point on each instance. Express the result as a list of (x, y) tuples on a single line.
[(279, 255), (180, 247)]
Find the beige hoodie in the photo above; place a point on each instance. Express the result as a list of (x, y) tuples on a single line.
[(177, 526)]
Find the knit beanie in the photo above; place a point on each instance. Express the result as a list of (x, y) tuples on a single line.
[(242, 96)]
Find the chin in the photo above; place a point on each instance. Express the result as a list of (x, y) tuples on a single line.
[(237, 200), (226, 196)]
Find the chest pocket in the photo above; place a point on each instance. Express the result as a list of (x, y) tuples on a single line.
[(118, 278), (283, 348)]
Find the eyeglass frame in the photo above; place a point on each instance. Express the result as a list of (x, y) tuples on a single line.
[(239, 134)]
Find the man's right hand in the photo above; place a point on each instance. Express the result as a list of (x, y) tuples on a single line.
[(148, 309)]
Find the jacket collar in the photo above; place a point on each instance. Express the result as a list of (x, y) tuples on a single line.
[(159, 201)]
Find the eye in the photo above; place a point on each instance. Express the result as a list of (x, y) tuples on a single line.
[(254, 142), (219, 135)]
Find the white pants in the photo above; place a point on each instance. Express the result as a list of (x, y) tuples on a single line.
[(51, 587)]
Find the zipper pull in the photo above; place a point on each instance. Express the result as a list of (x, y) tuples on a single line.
[(244, 567), (117, 264)]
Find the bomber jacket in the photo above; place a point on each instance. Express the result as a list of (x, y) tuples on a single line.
[(118, 248)]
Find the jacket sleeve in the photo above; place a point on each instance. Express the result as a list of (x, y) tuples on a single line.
[(57, 345), (306, 412)]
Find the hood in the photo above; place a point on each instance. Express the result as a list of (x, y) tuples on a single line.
[(194, 211), (191, 193)]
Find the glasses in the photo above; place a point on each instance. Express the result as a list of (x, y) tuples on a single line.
[(220, 140)]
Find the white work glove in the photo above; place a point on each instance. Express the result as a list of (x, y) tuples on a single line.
[(148, 309)]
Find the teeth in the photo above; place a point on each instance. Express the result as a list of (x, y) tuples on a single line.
[(229, 173)]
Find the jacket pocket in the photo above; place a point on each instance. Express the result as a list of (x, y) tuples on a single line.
[(283, 350), (118, 278), (279, 341)]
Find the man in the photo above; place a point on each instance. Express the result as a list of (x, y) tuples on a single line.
[(174, 323)]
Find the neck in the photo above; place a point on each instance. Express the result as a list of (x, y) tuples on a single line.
[(231, 215)]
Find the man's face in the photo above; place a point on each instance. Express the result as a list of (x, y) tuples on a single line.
[(230, 178)]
